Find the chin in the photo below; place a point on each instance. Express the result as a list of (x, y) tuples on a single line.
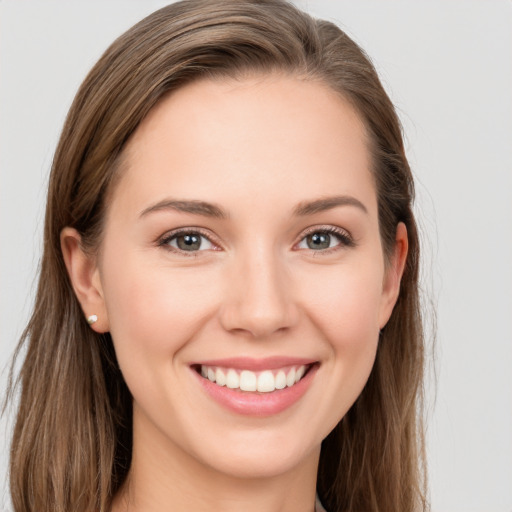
[(259, 458)]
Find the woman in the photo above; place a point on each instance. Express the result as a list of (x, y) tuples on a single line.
[(227, 316)]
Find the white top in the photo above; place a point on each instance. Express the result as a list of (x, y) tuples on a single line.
[(318, 506)]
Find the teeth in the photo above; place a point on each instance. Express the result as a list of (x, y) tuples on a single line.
[(300, 373), (246, 380), (266, 382), (280, 380), (232, 380), (290, 378), (220, 377)]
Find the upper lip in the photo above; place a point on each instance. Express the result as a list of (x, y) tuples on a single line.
[(256, 364)]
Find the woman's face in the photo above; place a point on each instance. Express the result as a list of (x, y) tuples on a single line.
[(242, 245)]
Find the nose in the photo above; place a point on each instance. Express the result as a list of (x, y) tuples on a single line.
[(259, 299)]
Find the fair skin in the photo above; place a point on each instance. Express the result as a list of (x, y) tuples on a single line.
[(271, 270)]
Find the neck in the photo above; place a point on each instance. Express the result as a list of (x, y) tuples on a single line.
[(172, 479)]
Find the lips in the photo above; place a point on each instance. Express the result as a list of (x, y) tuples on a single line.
[(256, 387)]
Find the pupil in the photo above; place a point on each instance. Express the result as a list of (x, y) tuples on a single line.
[(319, 241), (189, 242)]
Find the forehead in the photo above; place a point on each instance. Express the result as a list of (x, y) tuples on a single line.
[(268, 137)]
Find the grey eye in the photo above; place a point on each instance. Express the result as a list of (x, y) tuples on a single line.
[(320, 240), (190, 242)]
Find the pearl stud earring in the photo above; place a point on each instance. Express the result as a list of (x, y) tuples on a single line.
[(92, 319)]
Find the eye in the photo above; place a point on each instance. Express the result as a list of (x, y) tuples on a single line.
[(325, 238), (187, 241)]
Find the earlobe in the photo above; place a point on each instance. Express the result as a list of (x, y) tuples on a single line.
[(85, 279), (394, 272)]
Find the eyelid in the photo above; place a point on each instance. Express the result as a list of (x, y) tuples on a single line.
[(346, 238), (163, 240)]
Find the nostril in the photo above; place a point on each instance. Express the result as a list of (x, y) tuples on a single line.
[(259, 323)]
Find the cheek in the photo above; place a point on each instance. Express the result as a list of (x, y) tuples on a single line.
[(342, 305), (154, 310), (345, 304), (346, 312)]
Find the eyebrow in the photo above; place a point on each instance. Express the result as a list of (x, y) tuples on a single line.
[(188, 206), (205, 209), (328, 203)]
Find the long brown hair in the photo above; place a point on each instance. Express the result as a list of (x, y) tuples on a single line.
[(71, 447)]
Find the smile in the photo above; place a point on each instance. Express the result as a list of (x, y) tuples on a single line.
[(256, 387), (265, 381)]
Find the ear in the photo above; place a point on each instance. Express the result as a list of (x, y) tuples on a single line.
[(393, 276), (85, 278)]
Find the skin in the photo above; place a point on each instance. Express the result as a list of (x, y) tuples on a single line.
[(258, 148)]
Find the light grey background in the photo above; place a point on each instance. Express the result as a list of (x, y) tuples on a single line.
[(448, 67)]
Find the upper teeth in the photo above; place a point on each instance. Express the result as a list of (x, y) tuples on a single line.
[(246, 380)]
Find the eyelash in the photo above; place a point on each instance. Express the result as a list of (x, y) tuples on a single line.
[(168, 237), (343, 237)]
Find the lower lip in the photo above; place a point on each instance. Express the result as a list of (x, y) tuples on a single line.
[(254, 403)]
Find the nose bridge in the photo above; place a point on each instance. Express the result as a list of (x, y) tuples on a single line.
[(259, 298)]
